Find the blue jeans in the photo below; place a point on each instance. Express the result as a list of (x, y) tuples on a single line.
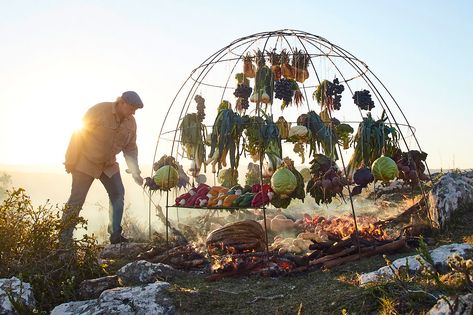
[(80, 187)]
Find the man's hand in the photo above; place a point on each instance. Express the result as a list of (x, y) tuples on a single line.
[(138, 179)]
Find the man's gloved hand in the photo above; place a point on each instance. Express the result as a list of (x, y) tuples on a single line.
[(138, 179)]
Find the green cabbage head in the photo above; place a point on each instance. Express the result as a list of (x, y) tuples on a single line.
[(283, 182), (384, 169), (166, 177)]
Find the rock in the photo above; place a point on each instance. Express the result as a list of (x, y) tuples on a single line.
[(461, 305), (148, 299), (142, 272), (20, 291), (123, 250), (439, 257), (452, 191), (90, 289)]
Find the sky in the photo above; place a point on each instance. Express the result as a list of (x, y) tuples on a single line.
[(58, 58)]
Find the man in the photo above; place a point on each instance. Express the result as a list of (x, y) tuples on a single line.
[(108, 129)]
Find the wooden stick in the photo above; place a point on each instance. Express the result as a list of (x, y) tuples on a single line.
[(367, 252)]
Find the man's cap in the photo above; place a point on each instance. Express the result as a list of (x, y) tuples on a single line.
[(132, 98)]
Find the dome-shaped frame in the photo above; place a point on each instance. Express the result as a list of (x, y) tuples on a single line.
[(351, 71)]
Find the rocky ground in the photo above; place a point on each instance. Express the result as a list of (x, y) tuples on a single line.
[(435, 278)]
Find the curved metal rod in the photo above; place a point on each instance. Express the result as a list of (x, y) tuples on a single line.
[(397, 125), (343, 165), (213, 56), (405, 118)]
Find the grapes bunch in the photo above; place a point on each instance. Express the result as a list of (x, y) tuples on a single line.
[(283, 90), (243, 91), (363, 100), (334, 91)]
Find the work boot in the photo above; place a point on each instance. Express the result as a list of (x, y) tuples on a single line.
[(118, 238)]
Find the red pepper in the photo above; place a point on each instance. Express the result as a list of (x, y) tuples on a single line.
[(201, 201), (255, 188), (181, 198)]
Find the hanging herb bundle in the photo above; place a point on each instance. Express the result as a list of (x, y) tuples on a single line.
[(373, 139), (327, 180), (253, 142), (225, 138), (322, 136), (192, 136), (275, 60), (300, 62), (328, 94)]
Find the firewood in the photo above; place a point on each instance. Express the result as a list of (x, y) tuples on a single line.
[(321, 245), (346, 251), (367, 252)]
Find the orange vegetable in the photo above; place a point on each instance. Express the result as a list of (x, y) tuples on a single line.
[(227, 202)]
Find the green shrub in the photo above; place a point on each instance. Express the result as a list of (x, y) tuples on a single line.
[(30, 250)]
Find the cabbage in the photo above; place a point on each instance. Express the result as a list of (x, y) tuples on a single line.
[(384, 169), (283, 182), (166, 177)]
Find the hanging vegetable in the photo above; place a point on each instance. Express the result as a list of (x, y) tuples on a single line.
[(344, 134), (249, 69), (299, 135), (286, 68), (183, 179), (328, 94), (283, 127), (372, 139), (363, 100), (362, 178), (322, 137), (327, 180), (192, 137), (384, 169), (263, 91), (275, 60), (252, 175), (242, 92), (166, 177), (283, 182), (287, 183), (411, 167), (300, 62), (225, 137)]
